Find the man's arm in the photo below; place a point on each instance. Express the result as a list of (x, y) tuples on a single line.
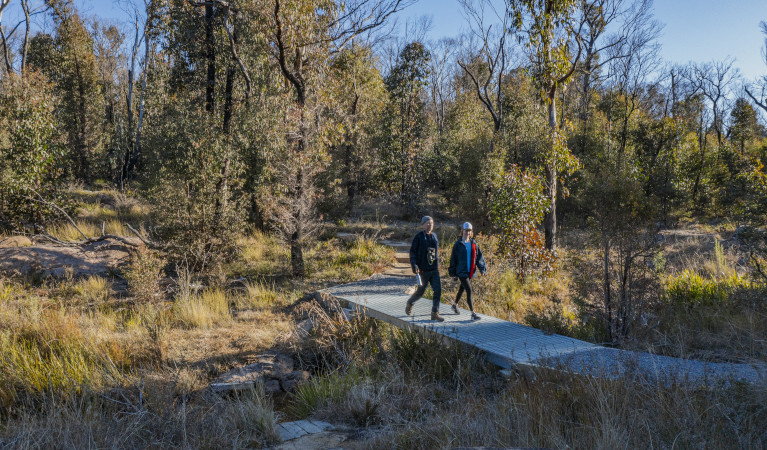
[(414, 252)]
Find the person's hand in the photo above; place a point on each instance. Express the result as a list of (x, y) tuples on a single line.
[(416, 269)]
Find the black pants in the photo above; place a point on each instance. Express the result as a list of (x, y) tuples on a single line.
[(429, 277), (465, 286)]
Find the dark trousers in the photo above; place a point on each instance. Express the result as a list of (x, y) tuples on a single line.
[(429, 277), (465, 286)]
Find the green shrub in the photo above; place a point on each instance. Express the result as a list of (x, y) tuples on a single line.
[(517, 206)]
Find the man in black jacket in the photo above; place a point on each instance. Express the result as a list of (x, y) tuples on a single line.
[(424, 260)]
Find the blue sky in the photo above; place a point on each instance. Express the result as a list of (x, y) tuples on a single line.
[(695, 30)]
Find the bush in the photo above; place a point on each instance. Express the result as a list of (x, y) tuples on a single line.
[(517, 206), (30, 156), (143, 273)]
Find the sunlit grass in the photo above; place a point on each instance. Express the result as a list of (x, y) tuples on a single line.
[(211, 307), (258, 295), (93, 289)]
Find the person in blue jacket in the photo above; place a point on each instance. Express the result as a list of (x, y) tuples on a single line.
[(465, 260), (424, 260)]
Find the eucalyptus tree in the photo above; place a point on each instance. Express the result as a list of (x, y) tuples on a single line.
[(305, 34), (4, 38), (613, 29), (67, 58), (553, 35), (356, 97), (744, 126)]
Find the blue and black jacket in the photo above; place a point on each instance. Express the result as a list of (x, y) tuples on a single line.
[(424, 253), (459, 264)]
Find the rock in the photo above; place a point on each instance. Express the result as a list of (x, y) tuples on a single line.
[(293, 379), (304, 327), (300, 375), (272, 387), (289, 385), (272, 367), (15, 242)]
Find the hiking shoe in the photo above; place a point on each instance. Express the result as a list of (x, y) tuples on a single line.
[(437, 317), (409, 309), (474, 316), (455, 309)]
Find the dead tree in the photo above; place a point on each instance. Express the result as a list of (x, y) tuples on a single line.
[(487, 67)]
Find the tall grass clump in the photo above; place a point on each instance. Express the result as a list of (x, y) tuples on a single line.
[(347, 260), (691, 289), (258, 295), (252, 414), (204, 310), (48, 351), (68, 233), (321, 391), (94, 289)]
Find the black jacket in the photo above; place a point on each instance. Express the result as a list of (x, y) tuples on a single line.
[(459, 264), (424, 252)]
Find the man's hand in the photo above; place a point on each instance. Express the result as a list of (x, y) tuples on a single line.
[(416, 269)]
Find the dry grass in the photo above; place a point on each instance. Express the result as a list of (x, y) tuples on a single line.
[(83, 368), (93, 371), (425, 394), (204, 310)]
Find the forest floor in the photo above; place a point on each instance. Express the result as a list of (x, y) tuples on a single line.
[(93, 360)]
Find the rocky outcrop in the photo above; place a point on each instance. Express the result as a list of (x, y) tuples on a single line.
[(274, 369)]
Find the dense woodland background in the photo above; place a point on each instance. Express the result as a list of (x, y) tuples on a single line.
[(553, 125)]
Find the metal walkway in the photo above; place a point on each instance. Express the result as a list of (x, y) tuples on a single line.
[(511, 345)]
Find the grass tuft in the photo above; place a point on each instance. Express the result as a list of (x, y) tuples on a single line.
[(204, 310)]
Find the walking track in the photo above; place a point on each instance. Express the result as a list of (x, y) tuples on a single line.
[(514, 346)]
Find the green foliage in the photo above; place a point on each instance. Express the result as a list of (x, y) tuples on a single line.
[(404, 130), (744, 126), (422, 356), (30, 155), (69, 61), (517, 206), (194, 193), (463, 148), (546, 21), (356, 95)]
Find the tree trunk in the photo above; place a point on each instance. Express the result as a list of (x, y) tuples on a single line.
[(25, 43), (210, 46), (141, 103), (550, 219), (607, 289), (129, 109)]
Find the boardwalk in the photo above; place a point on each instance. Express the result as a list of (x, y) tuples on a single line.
[(511, 345)]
